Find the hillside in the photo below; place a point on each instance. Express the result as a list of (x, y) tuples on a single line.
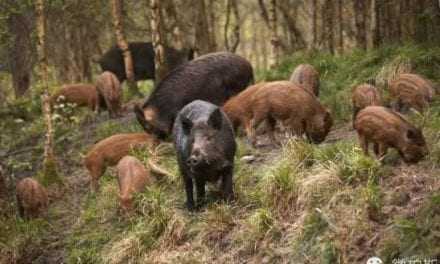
[(299, 203)]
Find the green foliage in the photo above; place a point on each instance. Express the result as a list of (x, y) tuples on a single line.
[(373, 197), (112, 127), (49, 174), (154, 209)]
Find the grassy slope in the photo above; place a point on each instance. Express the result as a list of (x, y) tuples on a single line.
[(302, 203)]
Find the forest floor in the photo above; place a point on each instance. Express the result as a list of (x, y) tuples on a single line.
[(298, 203)]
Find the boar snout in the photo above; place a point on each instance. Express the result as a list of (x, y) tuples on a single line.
[(194, 159), (415, 155)]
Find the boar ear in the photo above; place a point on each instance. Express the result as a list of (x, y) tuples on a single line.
[(216, 119), (186, 124)]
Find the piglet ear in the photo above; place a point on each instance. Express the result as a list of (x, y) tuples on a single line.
[(216, 119), (186, 124)]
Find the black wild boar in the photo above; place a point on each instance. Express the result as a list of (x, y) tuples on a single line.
[(205, 146), (143, 60), (213, 78)]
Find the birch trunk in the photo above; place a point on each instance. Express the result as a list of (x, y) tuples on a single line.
[(275, 42), (49, 165), (156, 27), (123, 45)]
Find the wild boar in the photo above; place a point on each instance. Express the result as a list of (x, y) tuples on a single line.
[(109, 151), (237, 107), (205, 147), (32, 199), (79, 94), (387, 129), (143, 60), (109, 88), (306, 76), (281, 101), (411, 90), (132, 179), (364, 95), (213, 78)]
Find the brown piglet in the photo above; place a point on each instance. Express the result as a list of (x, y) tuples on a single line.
[(411, 90), (388, 129), (306, 76), (79, 94), (280, 101), (109, 88), (364, 95), (132, 179), (109, 151), (32, 199)]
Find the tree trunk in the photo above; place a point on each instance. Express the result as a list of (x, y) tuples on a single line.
[(159, 53), (327, 26), (123, 45), (421, 24), (49, 165), (264, 13), (232, 5), (256, 54), (177, 38), (263, 35), (212, 24), (20, 64), (275, 42), (314, 24), (359, 11), (297, 42), (203, 42), (376, 8), (341, 27)]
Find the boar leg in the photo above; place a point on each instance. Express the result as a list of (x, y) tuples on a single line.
[(189, 192), (364, 144), (250, 132), (376, 149), (200, 188), (355, 112), (271, 123), (228, 193), (95, 173), (20, 208), (382, 150)]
